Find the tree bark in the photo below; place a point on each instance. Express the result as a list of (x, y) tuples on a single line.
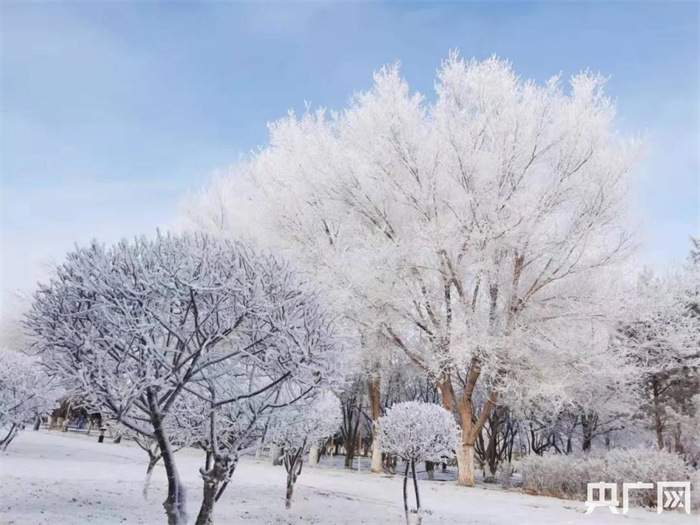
[(175, 503), (430, 469), (415, 484), (405, 493), (149, 472), (658, 422), (470, 428), (275, 455), (373, 388), (465, 465), (37, 423), (349, 453), (209, 499), (313, 456), (5, 442), (215, 482), (293, 464)]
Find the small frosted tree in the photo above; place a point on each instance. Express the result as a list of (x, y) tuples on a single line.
[(136, 327), (416, 432), (301, 427), (26, 392)]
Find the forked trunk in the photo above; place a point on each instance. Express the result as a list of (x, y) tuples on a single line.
[(470, 429), (149, 472), (293, 464), (215, 482)]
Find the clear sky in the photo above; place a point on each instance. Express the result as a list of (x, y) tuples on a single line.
[(113, 112)]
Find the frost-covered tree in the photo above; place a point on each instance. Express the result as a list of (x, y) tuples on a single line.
[(136, 326), (26, 392), (661, 335), (476, 233), (415, 432), (300, 427)]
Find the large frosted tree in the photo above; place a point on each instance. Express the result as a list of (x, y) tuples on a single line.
[(477, 233)]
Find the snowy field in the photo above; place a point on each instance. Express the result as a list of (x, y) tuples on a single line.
[(54, 478)]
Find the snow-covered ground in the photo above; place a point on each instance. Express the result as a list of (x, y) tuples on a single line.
[(54, 478)]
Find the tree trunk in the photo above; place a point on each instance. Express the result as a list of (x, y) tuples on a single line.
[(491, 453), (64, 427), (313, 456), (37, 423), (678, 442), (176, 502), (430, 469), (293, 464), (349, 453), (207, 509), (215, 482), (149, 472), (470, 429), (415, 486), (465, 465), (658, 422), (588, 426), (405, 493), (5, 442), (275, 455), (374, 391)]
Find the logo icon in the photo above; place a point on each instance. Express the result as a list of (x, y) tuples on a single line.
[(665, 497)]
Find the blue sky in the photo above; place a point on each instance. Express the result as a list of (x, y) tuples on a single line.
[(113, 112)]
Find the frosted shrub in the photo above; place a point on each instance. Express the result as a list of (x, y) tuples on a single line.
[(505, 472), (417, 432), (560, 476), (647, 466), (567, 476)]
